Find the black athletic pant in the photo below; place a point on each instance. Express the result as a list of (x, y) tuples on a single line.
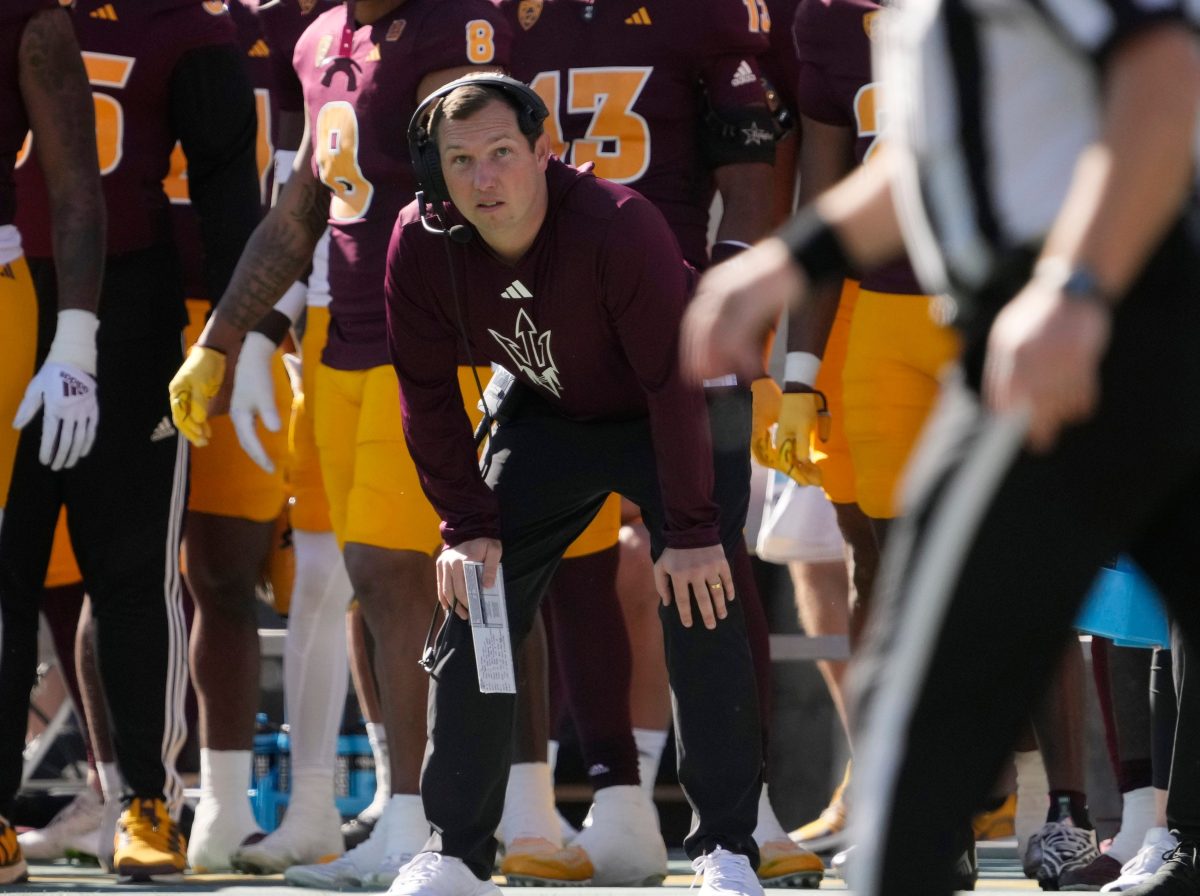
[(984, 575), (1183, 791), (125, 504), (551, 476)]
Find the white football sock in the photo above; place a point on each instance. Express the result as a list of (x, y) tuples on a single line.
[(315, 666), (225, 777), (529, 809), (110, 781), (650, 745), (377, 737), (1032, 796), (768, 829), (1137, 817)]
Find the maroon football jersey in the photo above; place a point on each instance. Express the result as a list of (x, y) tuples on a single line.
[(779, 62), (622, 79), (282, 24), (14, 123), (358, 110), (835, 87), (130, 48), (588, 318)]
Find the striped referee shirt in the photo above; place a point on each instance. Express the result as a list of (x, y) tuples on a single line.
[(989, 104)]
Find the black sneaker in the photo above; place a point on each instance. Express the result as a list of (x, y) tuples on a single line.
[(1056, 848), (356, 830), (1178, 876)]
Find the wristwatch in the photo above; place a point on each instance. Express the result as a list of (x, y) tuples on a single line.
[(1078, 282)]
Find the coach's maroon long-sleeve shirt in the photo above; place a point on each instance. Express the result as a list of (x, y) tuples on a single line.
[(588, 318)]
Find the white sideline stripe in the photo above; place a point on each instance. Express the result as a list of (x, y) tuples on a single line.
[(948, 538), (174, 721)]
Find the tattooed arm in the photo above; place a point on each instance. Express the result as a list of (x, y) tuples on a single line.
[(275, 256), (58, 99)]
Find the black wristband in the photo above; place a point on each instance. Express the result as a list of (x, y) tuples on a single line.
[(274, 325), (815, 246)]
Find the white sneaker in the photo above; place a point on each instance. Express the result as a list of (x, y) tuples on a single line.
[(623, 841), (347, 871), (433, 874), (216, 836), (1157, 843), (407, 833), (74, 830), (726, 874), (302, 839)]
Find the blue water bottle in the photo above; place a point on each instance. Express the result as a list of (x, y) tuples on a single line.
[(264, 771)]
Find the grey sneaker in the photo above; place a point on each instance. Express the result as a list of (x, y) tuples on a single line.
[(1058, 847)]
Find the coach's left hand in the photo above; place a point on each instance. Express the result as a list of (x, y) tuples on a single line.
[(706, 572)]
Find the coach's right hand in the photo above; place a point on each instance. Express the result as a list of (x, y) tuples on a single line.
[(451, 577), (194, 385)]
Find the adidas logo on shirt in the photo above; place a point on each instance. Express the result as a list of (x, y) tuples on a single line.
[(744, 75), (641, 17), (106, 12), (164, 430), (260, 50), (516, 290)]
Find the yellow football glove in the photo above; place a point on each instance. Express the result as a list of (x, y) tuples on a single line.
[(194, 385), (765, 415), (800, 415)]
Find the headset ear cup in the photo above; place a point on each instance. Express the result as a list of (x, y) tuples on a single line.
[(435, 184)]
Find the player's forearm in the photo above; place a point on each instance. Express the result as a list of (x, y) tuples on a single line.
[(79, 243), (809, 324), (746, 198), (56, 92), (1128, 188), (861, 211), (276, 255)]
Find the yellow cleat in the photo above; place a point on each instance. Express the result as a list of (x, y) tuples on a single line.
[(13, 869), (825, 834), (997, 823), (536, 862), (148, 843), (781, 863)]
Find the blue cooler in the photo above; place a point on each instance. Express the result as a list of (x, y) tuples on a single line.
[(354, 774), (1124, 606)]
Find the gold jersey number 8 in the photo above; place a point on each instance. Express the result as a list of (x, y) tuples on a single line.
[(337, 161)]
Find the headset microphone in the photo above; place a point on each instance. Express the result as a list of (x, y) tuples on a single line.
[(460, 233)]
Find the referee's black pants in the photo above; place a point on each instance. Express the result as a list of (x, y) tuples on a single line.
[(125, 504), (551, 476), (986, 572)]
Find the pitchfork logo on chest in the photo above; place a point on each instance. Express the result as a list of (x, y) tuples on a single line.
[(530, 351)]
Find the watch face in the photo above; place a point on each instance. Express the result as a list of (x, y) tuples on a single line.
[(1082, 284)]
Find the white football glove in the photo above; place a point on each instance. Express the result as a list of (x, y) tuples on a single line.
[(254, 397), (66, 387)]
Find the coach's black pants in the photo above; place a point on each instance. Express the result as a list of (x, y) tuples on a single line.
[(551, 476), (124, 505), (984, 575)]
